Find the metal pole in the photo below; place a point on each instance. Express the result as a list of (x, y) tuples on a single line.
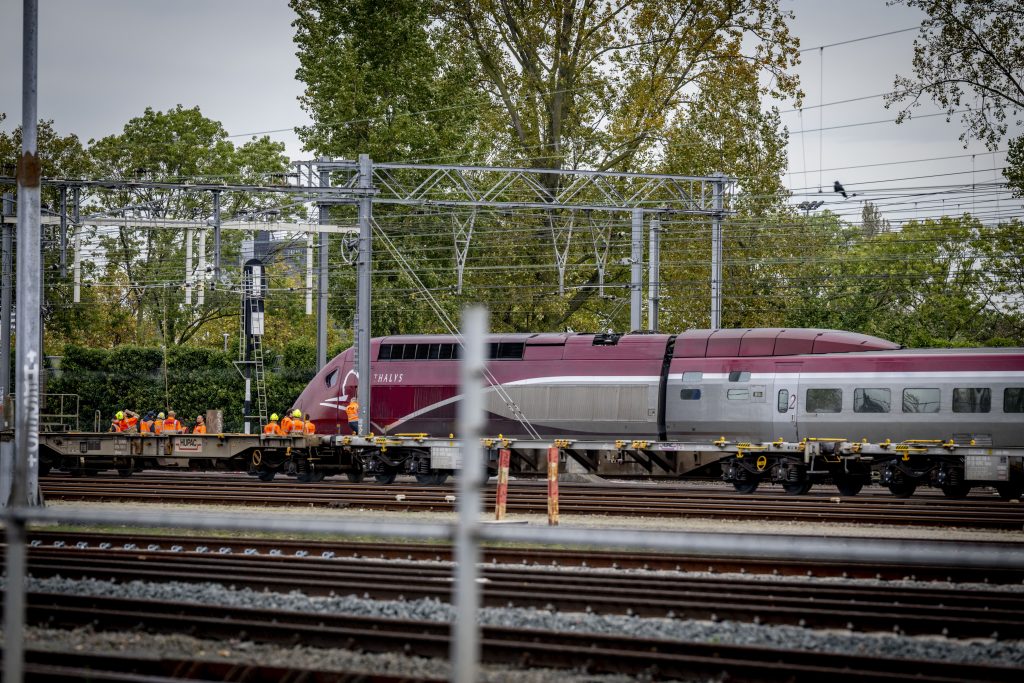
[(5, 303), (63, 231), (188, 267), (26, 427), (716, 252), (201, 291), (309, 273), (465, 648), (322, 278), (6, 447), (654, 274), (216, 235), (636, 277), (77, 264), (365, 270)]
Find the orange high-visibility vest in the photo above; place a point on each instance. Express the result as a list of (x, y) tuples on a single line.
[(127, 423), (352, 411), (310, 427), (158, 426), (172, 425), (146, 426), (199, 429), (286, 424), (297, 426), (273, 429)]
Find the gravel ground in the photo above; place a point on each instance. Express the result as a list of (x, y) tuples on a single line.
[(144, 645), (1007, 653), (722, 526)]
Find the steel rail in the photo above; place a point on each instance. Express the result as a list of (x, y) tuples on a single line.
[(596, 653), (898, 608)]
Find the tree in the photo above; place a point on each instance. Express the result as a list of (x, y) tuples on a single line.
[(873, 221), (969, 60), (381, 79), (180, 145), (596, 83)]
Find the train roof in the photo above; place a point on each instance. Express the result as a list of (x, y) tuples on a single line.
[(774, 341)]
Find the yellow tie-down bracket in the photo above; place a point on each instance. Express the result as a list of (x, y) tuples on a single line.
[(501, 441), (743, 448), (915, 446)]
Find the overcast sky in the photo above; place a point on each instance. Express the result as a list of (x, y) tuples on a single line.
[(103, 61)]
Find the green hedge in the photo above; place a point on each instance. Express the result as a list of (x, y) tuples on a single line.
[(198, 379)]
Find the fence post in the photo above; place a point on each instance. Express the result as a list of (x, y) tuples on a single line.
[(501, 497), (553, 486)]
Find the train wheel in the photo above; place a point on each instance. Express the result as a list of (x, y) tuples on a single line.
[(1009, 490), (432, 479), (266, 475), (318, 475), (124, 471), (797, 488), (849, 486), (956, 491), (747, 486), (903, 489), (355, 476), (385, 478)]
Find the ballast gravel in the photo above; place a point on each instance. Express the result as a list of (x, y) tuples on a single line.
[(979, 651)]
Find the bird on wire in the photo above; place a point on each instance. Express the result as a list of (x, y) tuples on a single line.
[(838, 187)]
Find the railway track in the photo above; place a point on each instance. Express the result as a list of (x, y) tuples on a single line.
[(983, 512), (873, 607), (524, 556), (596, 653)]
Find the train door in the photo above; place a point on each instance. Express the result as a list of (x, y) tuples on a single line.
[(785, 401)]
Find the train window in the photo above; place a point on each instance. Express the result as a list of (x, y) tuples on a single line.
[(739, 376), (921, 400), (508, 351), (408, 352), (446, 352), (872, 400), (435, 350), (824, 400), (738, 394), (693, 376), (690, 394), (783, 400), (332, 378), (1013, 400), (385, 352), (972, 400), (421, 351)]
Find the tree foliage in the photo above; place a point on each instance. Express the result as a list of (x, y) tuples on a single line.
[(596, 83), (969, 60)]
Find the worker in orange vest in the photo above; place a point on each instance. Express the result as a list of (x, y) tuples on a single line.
[(200, 427), (127, 421), (310, 428), (158, 424), (286, 424), (172, 425), (146, 425), (297, 426), (352, 413), (272, 428)]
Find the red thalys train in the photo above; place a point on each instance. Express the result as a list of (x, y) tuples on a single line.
[(749, 384)]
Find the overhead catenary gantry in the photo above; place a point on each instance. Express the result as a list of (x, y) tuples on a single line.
[(551, 191), (567, 198)]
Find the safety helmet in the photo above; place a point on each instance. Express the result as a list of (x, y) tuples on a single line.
[(160, 416), (296, 413), (273, 418), (120, 415)]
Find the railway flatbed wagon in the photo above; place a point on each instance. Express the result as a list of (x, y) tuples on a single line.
[(797, 466), (83, 453)]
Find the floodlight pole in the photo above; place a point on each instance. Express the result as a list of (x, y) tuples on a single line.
[(654, 274), (716, 250), (636, 270), (322, 279)]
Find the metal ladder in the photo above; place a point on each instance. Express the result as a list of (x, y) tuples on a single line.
[(259, 375)]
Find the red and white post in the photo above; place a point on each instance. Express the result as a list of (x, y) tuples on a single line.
[(501, 498), (553, 486)]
